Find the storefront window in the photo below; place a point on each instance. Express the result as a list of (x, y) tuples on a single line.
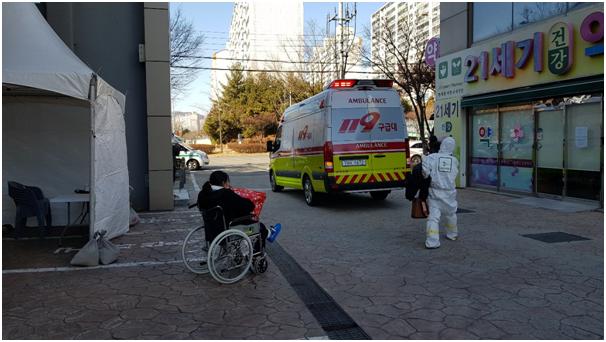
[(583, 147), (517, 138), (552, 147), (484, 152), (550, 150)]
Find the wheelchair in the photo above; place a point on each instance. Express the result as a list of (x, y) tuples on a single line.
[(235, 248)]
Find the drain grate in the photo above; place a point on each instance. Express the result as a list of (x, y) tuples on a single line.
[(554, 237), (464, 211), (337, 324)]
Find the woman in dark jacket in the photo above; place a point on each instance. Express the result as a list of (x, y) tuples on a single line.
[(217, 192)]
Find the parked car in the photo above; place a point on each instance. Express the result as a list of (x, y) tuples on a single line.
[(416, 151), (194, 159)]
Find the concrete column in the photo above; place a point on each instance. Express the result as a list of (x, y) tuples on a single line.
[(455, 26), (157, 71)]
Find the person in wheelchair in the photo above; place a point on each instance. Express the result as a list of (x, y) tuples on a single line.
[(217, 192)]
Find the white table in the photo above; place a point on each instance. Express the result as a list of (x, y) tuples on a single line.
[(69, 199)]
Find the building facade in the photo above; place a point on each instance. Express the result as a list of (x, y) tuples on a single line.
[(422, 18), (127, 44), (218, 76), (256, 42), (191, 121), (263, 32), (520, 87)]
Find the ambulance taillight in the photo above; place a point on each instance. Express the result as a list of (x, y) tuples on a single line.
[(328, 154)]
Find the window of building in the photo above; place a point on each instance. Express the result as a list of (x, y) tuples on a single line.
[(528, 12), (494, 18), (491, 19)]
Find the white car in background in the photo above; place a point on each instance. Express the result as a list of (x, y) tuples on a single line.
[(416, 151), (193, 159)]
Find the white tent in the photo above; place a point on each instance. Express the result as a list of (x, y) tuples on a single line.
[(62, 125)]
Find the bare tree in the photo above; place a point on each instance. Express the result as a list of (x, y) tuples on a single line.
[(185, 44), (401, 59)]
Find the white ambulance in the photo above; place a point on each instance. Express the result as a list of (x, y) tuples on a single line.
[(351, 137)]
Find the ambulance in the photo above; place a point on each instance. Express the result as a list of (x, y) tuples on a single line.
[(351, 137)]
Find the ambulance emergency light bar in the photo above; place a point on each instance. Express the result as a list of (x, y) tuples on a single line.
[(340, 84)]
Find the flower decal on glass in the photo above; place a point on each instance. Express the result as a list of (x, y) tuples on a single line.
[(517, 133)]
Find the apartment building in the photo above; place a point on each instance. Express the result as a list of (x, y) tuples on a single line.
[(422, 18), (191, 121), (263, 35), (267, 35), (218, 76)]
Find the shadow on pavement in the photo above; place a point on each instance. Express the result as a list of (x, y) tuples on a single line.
[(343, 201), (32, 252)]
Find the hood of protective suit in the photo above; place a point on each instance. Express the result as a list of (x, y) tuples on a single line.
[(447, 146)]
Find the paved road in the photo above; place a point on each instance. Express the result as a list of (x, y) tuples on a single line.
[(492, 283), (367, 255)]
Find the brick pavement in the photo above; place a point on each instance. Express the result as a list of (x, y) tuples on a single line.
[(369, 256), (490, 284)]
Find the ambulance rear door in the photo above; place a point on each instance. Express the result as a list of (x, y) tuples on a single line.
[(388, 135), (351, 127)]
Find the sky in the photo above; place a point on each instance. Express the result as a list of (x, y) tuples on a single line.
[(212, 19)]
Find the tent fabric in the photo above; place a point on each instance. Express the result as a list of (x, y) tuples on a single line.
[(110, 168), (35, 57)]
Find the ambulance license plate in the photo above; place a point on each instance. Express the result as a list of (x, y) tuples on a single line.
[(353, 162)]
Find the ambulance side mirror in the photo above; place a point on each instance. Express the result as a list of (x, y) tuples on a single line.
[(270, 146)]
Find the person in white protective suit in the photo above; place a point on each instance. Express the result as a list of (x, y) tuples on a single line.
[(443, 169)]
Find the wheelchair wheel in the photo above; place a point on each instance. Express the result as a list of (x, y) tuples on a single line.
[(260, 265), (194, 251), (230, 256)]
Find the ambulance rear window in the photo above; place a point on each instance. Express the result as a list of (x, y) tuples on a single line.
[(373, 115)]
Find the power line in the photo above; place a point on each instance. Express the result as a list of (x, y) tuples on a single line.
[(267, 44), (222, 39), (251, 59), (265, 34), (276, 71)]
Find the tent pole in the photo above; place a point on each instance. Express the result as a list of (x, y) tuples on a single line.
[(92, 95)]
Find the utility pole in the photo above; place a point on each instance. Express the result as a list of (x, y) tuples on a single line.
[(342, 47), (342, 71)]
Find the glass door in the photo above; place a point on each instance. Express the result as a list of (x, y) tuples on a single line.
[(484, 148), (583, 150), (550, 151), (517, 138)]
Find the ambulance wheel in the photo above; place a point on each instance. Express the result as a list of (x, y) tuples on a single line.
[(308, 191), (272, 180), (379, 195)]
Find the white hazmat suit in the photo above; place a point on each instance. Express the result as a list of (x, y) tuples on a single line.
[(443, 169)]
